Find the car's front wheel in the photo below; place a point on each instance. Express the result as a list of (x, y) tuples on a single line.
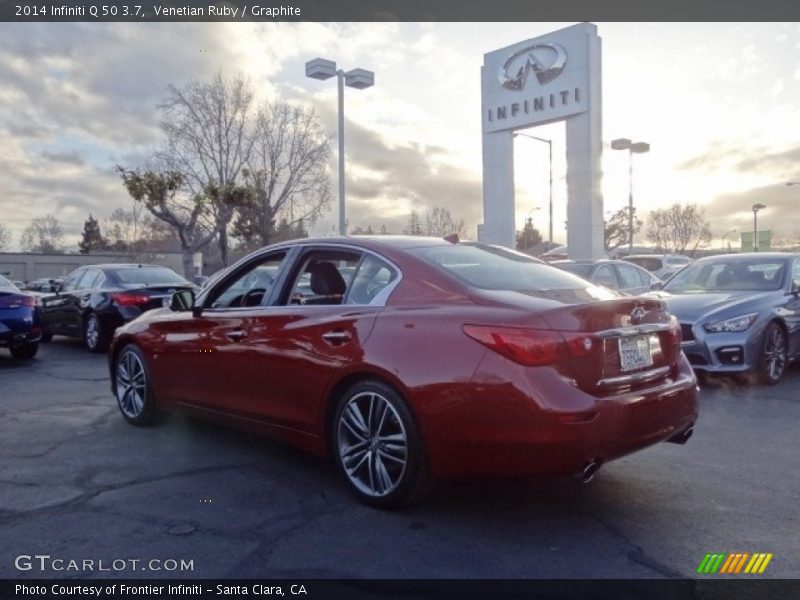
[(774, 355), (133, 389), (377, 445), (24, 351)]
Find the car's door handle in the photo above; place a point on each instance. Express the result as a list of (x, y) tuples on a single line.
[(236, 335), (337, 336)]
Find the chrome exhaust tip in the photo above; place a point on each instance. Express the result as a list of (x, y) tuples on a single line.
[(682, 437), (590, 470)]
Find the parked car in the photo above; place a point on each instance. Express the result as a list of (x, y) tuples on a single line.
[(20, 329), (656, 263), (666, 273), (94, 300), (43, 285), (557, 253), (404, 357), (613, 274), (739, 313)]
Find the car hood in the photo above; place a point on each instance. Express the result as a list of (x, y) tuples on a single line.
[(689, 308)]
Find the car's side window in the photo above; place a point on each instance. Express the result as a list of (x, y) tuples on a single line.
[(373, 276), (71, 282), (605, 276), (90, 280), (796, 270), (629, 277), (324, 277), (252, 287)]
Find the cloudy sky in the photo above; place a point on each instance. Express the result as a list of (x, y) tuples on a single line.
[(717, 103)]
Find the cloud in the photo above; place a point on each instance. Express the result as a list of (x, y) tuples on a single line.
[(759, 160), (734, 210)]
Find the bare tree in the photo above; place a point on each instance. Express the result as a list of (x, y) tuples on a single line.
[(137, 233), (44, 234), (679, 229), (208, 140), (439, 222), (190, 216), (288, 170), (5, 237)]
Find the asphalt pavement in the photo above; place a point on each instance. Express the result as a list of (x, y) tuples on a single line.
[(77, 483)]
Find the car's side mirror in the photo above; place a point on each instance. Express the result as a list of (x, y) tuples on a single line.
[(54, 287), (796, 287), (182, 301), (656, 285)]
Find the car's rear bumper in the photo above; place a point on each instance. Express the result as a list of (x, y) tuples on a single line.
[(20, 330), (518, 432)]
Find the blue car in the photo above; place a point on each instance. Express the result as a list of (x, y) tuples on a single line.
[(20, 329)]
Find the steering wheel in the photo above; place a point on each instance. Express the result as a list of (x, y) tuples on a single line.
[(245, 299)]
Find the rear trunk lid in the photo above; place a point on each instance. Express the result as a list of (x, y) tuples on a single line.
[(624, 342)]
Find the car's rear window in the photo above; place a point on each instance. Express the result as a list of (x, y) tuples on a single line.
[(148, 276), (492, 268)]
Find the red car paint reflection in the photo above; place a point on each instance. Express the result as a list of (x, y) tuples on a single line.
[(405, 359)]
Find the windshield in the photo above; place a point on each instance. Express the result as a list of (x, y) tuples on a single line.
[(149, 276), (5, 283), (493, 268), (729, 274)]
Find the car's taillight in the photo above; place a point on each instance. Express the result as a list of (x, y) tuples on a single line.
[(130, 298), (675, 335), (15, 300), (534, 347)]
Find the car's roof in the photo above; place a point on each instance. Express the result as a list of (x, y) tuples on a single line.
[(586, 261), (746, 255), (401, 242), (126, 266)]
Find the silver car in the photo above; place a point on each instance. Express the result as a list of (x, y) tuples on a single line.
[(739, 313)]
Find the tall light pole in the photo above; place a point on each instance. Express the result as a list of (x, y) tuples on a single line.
[(550, 147), (726, 235), (322, 69), (756, 208), (632, 148)]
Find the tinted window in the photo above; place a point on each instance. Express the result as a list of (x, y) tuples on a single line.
[(90, 277), (71, 282), (148, 276), (739, 274), (372, 277), (493, 268)]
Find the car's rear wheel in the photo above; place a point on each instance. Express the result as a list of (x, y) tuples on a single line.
[(774, 355), (133, 389), (94, 336), (24, 351), (377, 445)]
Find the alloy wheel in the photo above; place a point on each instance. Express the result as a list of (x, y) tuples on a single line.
[(131, 385), (775, 352), (92, 332), (372, 444)]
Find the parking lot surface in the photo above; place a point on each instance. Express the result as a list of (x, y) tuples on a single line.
[(79, 483)]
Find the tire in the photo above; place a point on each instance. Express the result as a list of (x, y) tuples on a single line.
[(377, 446), (24, 351), (773, 359), (133, 388), (94, 336)]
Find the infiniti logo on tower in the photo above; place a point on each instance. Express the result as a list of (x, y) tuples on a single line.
[(547, 61)]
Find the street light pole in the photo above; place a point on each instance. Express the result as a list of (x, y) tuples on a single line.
[(632, 148), (322, 69), (550, 155)]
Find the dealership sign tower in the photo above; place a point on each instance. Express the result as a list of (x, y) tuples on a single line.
[(554, 77)]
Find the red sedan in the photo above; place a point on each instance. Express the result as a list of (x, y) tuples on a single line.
[(404, 357)]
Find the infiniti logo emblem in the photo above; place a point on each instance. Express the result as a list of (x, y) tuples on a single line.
[(637, 315), (547, 61)]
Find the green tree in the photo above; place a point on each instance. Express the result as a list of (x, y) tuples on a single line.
[(528, 237), (617, 231), (92, 237), (191, 217)]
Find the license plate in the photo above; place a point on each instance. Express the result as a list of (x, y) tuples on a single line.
[(635, 353)]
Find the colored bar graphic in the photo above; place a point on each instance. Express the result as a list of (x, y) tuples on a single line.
[(733, 563)]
